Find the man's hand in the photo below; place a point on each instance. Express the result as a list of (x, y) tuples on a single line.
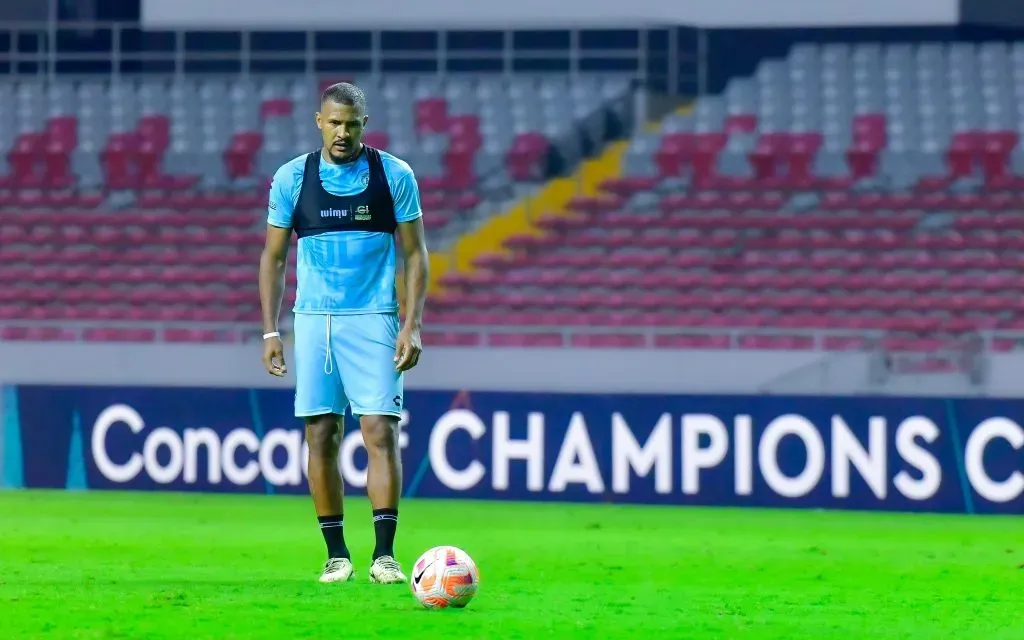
[(273, 357), (408, 349)]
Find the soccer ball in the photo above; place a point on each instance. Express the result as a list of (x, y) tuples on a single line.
[(444, 577)]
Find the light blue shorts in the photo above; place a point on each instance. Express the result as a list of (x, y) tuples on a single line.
[(343, 360)]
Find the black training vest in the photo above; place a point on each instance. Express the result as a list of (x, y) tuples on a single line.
[(319, 211)]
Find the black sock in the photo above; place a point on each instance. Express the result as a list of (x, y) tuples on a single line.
[(333, 528), (385, 522)]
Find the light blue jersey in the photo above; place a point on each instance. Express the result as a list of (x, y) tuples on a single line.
[(345, 272)]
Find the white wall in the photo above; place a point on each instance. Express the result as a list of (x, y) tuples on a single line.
[(567, 370), (455, 14), (492, 369)]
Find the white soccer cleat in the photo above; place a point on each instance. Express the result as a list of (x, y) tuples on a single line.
[(385, 570), (337, 570)]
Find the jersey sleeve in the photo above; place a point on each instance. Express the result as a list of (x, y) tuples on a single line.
[(284, 194), (406, 194)]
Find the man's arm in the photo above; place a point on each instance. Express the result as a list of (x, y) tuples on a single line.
[(273, 262), (409, 214), (414, 248)]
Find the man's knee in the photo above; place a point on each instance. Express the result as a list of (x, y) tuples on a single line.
[(380, 433), (323, 435)]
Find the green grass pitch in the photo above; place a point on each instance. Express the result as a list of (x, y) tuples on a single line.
[(124, 565)]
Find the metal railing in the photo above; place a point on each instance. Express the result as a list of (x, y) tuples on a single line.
[(869, 368), (251, 332), (670, 59), (978, 343)]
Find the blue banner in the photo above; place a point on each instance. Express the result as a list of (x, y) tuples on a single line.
[(875, 453)]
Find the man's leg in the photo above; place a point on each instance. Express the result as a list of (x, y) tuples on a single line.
[(320, 401), (374, 388), (383, 486), (323, 434), (383, 478)]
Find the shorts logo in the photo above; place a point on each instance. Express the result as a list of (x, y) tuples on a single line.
[(397, 400)]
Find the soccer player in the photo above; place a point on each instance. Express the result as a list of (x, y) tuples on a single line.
[(345, 202)]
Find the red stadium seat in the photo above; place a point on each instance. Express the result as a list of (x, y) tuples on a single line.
[(156, 130), (451, 339), (376, 139), (239, 159), (527, 155), (119, 335), (431, 115), (687, 253), (465, 130), (526, 340), (276, 108), (35, 333)]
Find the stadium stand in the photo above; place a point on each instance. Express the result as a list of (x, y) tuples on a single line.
[(867, 189), (119, 198)]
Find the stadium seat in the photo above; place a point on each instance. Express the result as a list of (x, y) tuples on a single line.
[(855, 188), (889, 168), (155, 189)]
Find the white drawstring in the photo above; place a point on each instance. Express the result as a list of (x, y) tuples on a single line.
[(328, 363)]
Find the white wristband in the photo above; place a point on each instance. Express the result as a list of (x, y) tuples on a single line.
[(272, 334)]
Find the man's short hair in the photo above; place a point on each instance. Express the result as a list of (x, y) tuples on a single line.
[(345, 93)]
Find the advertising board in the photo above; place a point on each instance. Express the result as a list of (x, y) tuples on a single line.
[(885, 453)]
